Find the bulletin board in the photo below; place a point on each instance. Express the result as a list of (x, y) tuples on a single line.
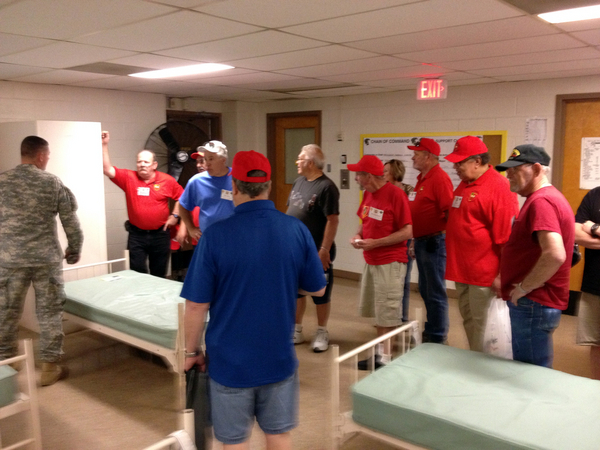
[(395, 146)]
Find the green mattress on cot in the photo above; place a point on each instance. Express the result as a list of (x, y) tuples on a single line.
[(444, 398), (137, 304)]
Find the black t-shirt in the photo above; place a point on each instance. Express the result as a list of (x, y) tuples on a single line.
[(312, 202), (590, 210)]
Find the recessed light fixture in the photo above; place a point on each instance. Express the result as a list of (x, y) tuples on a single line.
[(196, 69), (572, 15)]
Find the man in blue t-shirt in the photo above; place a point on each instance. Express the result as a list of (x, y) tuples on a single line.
[(247, 272), (209, 190)]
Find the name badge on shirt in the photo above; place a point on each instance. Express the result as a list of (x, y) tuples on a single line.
[(457, 201), (143, 191), (226, 195), (375, 213), (412, 196)]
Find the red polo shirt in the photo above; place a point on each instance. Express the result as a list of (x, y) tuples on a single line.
[(431, 199), (384, 212), (147, 203), (479, 224)]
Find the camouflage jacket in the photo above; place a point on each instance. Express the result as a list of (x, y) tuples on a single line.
[(30, 199)]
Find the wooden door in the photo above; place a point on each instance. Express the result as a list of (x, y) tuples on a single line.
[(286, 135), (576, 118)]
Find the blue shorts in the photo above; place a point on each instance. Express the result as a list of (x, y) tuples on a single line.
[(275, 407), (326, 297)]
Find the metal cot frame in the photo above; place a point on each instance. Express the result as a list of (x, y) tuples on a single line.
[(344, 426), (27, 400)]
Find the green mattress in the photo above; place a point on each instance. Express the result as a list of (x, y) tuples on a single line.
[(134, 303), (441, 397), (8, 385)]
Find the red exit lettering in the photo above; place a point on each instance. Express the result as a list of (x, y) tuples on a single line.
[(432, 89)]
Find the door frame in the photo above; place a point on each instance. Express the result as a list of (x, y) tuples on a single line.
[(558, 154), (271, 150)]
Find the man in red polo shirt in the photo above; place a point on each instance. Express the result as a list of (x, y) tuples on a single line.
[(386, 226), (429, 204), (479, 225), (147, 192), (536, 260)]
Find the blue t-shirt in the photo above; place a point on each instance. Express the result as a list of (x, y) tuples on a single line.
[(249, 268), (211, 194)]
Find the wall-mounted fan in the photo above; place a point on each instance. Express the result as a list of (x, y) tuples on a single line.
[(173, 142)]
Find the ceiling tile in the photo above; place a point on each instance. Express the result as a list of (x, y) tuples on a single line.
[(407, 18), (165, 32), (418, 71), (247, 46), (301, 58), (509, 47), (9, 71), (579, 26), (248, 78), (59, 77), (61, 55), (10, 43), (525, 59), (540, 68), (62, 19), (277, 13), (489, 31), (589, 36), (357, 65), (152, 61)]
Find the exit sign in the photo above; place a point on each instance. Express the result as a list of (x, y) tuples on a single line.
[(432, 89)]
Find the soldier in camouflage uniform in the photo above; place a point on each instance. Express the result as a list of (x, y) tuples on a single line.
[(30, 252)]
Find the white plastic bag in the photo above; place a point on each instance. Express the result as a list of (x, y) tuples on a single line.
[(497, 338)]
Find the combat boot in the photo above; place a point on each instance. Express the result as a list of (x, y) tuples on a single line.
[(52, 372)]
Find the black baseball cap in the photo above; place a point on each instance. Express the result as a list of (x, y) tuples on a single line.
[(525, 154)]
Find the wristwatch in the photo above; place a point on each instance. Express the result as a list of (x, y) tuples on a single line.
[(593, 230), (192, 354), (176, 216)]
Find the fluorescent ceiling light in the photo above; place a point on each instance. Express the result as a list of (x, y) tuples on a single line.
[(572, 15), (183, 71)]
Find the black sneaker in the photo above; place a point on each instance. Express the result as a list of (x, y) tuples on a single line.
[(365, 364)]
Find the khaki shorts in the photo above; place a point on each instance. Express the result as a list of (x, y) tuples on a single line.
[(381, 292), (588, 327)]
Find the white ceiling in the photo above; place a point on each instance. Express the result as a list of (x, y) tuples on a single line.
[(289, 48)]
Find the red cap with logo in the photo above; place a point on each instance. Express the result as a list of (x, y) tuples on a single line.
[(465, 147), (426, 145), (369, 164), (246, 162)]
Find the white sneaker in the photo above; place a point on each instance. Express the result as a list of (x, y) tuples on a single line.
[(320, 343), (298, 336)]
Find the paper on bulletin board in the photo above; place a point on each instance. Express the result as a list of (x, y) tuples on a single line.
[(535, 132), (396, 147), (589, 175)]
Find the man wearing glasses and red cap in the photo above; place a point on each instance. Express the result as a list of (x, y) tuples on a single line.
[(479, 225), (247, 271), (385, 228)]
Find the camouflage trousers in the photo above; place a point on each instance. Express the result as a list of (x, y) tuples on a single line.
[(49, 301)]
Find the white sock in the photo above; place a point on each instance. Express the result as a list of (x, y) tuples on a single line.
[(298, 327), (322, 328), (385, 359)]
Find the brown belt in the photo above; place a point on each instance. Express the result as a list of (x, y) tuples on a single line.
[(424, 238)]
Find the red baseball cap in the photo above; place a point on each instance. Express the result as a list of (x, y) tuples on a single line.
[(197, 155), (465, 147), (427, 145), (245, 162), (369, 164)]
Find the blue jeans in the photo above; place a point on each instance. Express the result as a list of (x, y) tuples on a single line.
[(532, 326), (431, 262), (406, 297)]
